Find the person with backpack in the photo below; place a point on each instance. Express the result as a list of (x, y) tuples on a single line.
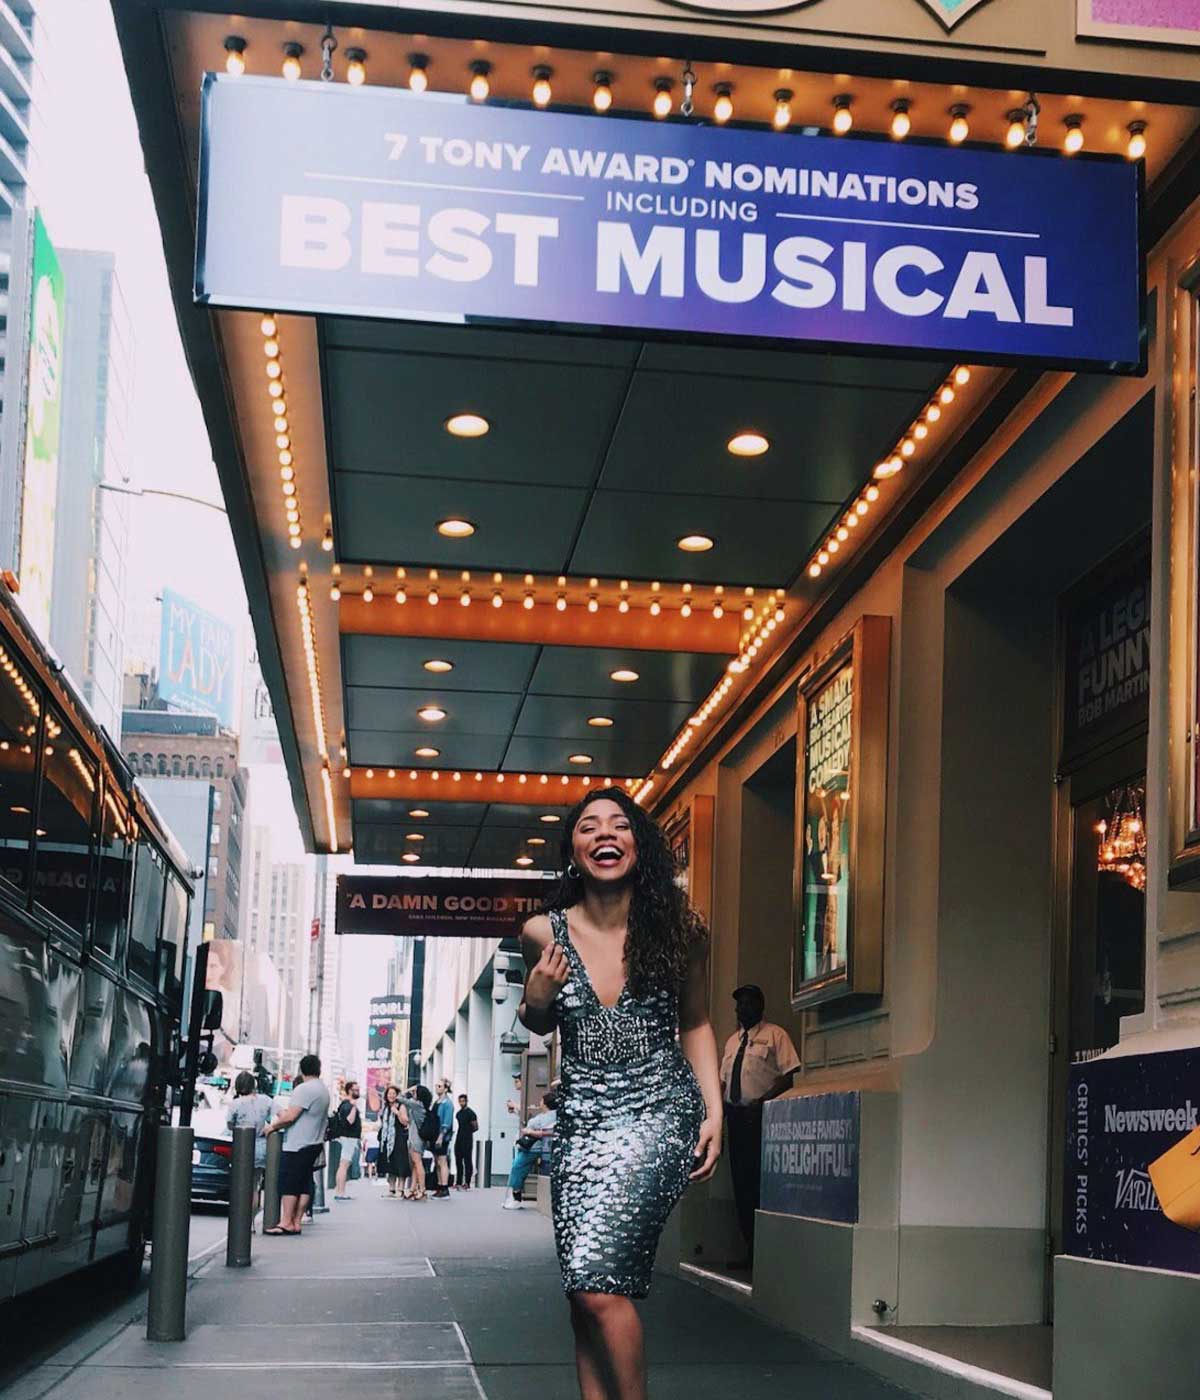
[(345, 1127), (444, 1111), (424, 1129)]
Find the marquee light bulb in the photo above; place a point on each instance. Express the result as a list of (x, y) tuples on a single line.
[(356, 71), (1073, 140), (1014, 137), (662, 97), (602, 92), (291, 62), (235, 55), (723, 107), (418, 72), (1136, 148), (960, 128), (783, 109), (542, 91), (901, 121), (843, 118), (480, 87)]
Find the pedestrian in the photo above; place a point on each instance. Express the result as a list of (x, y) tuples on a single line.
[(464, 1144), (422, 1130), (533, 1150), (618, 965), (444, 1108), (303, 1123), (251, 1109), (370, 1144), (758, 1065), (347, 1128), (393, 1141)]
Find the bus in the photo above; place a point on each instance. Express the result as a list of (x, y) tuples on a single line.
[(94, 900)]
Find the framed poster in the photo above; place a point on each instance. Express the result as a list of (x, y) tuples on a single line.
[(689, 833), (841, 791)]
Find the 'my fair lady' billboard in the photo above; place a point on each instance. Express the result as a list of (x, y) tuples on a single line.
[(325, 198)]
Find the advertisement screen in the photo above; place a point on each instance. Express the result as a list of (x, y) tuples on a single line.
[(196, 660), (39, 492)]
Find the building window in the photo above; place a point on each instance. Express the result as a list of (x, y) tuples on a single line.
[(191, 765), (216, 800), (162, 764), (176, 766), (64, 851), (20, 714), (220, 768), (214, 834), (205, 768)]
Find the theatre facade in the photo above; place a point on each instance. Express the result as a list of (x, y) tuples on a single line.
[(788, 413)]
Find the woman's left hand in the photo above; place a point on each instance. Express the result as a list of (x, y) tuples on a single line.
[(708, 1149)]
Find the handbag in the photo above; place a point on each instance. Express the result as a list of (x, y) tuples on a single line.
[(1176, 1178), (527, 1142)]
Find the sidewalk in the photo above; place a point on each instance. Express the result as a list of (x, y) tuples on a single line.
[(454, 1300)]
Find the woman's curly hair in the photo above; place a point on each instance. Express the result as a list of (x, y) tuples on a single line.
[(664, 929)]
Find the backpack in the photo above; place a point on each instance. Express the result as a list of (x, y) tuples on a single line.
[(430, 1131)]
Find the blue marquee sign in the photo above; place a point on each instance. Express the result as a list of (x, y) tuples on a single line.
[(376, 202)]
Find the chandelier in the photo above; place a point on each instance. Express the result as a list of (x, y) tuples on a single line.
[(1123, 836)]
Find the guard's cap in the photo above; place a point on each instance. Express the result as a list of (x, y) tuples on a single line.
[(749, 987)]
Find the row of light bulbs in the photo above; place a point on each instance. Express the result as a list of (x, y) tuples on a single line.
[(543, 779), (889, 467), (308, 636), (1017, 131), (269, 326)]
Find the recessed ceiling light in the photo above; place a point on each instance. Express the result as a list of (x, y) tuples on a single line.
[(21, 811), (536, 841), (415, 836), (600, 721), (549, 818), (624, 674), (439, 667), (426, 752), (524, 860), (455, 528), (467, 425), (411, 857), (747, 444), (418, 812), (431, 714), (695, 544), (580, 758)]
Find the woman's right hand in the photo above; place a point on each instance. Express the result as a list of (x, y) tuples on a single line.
[(547, 977)]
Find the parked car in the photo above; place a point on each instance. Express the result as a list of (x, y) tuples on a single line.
[(212, 1156)]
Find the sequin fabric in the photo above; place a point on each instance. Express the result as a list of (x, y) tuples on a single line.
[(629, 1119)]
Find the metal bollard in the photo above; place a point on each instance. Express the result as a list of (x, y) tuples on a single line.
[(166, 1320), (241, 1199), (271, 1185), (317, 1205)]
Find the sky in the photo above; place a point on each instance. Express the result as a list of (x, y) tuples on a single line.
[(87, 177)]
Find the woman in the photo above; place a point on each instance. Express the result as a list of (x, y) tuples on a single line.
[(619, 966), (250, 1109), (416, 1106), (464, 1144), (349, 1138), (393, 1140)]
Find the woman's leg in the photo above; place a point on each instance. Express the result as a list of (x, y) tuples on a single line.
[(418, 1174), (609, 1352)]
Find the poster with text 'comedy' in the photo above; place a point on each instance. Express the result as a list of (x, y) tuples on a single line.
[(320, 197)]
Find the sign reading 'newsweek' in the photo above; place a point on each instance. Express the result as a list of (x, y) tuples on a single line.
[(326, 198)]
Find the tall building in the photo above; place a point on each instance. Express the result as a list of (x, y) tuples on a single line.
[(325, 973), (91, 523), (17, 38), (277, 913), (161, 745)]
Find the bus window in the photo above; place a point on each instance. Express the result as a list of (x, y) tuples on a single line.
[(174, 941), (20, 713), (146, 919), (63, 863), (116, 877)]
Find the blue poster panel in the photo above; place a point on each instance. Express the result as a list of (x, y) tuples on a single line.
[(1123, 1114), (196, 660), (376, 202), (810, 1156)]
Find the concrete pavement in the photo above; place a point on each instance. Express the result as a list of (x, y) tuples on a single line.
[(452, 1300)]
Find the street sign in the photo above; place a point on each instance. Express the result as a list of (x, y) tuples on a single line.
[(376, 202)]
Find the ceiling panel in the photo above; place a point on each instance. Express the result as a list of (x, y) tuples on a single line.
[(550, 420), (384, 811), (448, 845), (746, 362), (618, 758), (681, 677), (467, 712), (399, 662), (823, 436), (393, 519), (487, 342), (500, 846), (396, 749), (518, 814), (566, 717), (757, 542)]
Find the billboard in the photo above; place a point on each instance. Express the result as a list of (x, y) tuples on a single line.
[(432, 207), (810, 1153), (39, 490), (418, 906), (196, 660)]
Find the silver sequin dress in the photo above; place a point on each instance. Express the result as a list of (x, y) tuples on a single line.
[(629, 1118)]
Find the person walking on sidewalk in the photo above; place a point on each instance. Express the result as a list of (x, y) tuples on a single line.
[(348, 1125), (618, 966), (444, 1108), (250, 1109), (303, 1124), (464, 1144), (533, 1149)]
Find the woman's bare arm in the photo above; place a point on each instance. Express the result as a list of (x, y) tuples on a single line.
[(545, 972), (699, 1045)]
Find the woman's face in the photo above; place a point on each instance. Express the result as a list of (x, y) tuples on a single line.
[(602, 844), (391, 1095)]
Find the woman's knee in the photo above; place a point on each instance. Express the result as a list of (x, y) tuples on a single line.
[(598, 1307)]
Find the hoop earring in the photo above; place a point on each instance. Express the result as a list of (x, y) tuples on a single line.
[(572, 871)]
